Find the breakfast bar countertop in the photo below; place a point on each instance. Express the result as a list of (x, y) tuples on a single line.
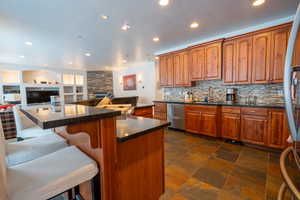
[(132, 127), (51, 117), (258, 105)]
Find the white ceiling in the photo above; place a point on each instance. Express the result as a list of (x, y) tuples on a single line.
[(55, 27)]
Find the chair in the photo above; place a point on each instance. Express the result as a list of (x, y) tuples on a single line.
[(30, 149), (47, 176), (26, 128)]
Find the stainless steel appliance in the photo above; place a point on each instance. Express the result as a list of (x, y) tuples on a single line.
[(175, 115), (230, 95)]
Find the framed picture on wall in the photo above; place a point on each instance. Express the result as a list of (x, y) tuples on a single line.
[(129, 82)]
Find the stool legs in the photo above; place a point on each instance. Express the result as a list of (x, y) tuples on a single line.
[(95, 183)]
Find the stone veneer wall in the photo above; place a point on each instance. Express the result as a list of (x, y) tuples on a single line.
[(268, 93), (100, 82)]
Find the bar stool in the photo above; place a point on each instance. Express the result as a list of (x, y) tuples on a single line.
[(26, 128), (48, 176), (30, 149)]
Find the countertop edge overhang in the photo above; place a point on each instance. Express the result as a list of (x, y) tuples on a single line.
[(223, 104), (163, 124), (68, 120)]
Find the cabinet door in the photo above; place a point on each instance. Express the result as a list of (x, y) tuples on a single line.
[(213, 61), (296, 57), (261, 58), (209, 123), (254, 129), (181, 72), (170, 71), (192, 121), (243, 60), (197, 58), (229, 62), (279, 46), (276, 133), (231, 126), (163, 74)]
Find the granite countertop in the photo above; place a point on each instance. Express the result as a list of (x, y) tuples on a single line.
[(142, 105), (132, 127), (51, 117), (275, 105)]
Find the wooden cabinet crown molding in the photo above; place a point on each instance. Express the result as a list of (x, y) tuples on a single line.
[(273, 28)]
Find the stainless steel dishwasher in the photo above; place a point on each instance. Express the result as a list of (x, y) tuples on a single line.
[(175, 115)]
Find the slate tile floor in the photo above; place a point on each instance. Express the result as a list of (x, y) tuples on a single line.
[(199, 168)]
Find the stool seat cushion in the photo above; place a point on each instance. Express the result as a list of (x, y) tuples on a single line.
[(50, 175), (27, 150), (33, 132)]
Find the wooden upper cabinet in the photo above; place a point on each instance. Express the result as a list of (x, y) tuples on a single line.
[(163, 78), (181, 71), (213, 60), (261, 58), (296, 57), (278, 48), (243, 66), (229, 61), (197, 63), (170, 71)]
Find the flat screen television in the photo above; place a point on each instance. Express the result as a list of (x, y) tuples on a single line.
[(40, 96)]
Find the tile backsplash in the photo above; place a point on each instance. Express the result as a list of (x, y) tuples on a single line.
[(267, 93)]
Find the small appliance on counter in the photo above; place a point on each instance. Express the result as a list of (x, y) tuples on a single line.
[(55, 100), (188, 96), (230, 95)]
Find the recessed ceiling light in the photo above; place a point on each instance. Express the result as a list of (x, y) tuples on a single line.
[(125, 27), (258, 2), (156, 39), (124, 61), (194, 25), (28, 43), (87, 54), (156, 57), (70, 63), (21, 56), (163, 2), (105, 17)]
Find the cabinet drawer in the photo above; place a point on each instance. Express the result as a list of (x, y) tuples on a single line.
[(231, 109), (200, 108), (255, 111), (160, 107), (143, 111)]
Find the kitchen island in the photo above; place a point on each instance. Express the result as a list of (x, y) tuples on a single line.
[(129, 150)]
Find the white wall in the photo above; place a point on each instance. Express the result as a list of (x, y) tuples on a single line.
[(146, 90)]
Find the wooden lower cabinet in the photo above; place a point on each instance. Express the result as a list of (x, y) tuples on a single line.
[(160, 111), (201, 120), (146, 112), (278, 131), (192, 121), (231, 125), (209, 124), (254, 129)]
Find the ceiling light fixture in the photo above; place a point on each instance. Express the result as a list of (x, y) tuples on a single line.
[(155, 39), (194, 25), (163, 2), (156, 57), (125, 27), (258, 2), (21, 56), (105, 17), (70, 63), (124, 61), (28, 43), (88, 54)]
